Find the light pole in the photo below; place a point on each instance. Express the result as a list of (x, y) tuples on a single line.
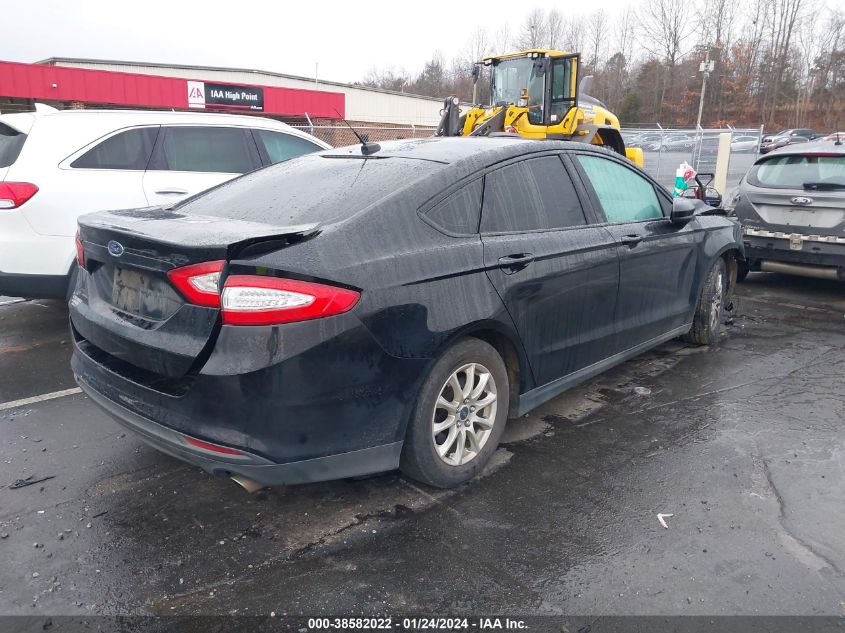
[(705, 67)]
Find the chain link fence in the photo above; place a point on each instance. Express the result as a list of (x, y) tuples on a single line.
[(664, 149), (341, 135)]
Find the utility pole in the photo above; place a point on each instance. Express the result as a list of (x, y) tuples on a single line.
[(705, 67)]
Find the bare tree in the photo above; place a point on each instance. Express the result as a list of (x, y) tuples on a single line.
[(597, 37), (785, 16), (573, 35), (534, 30), (502, 39), (624, 29), (554, 29), (666, 27)]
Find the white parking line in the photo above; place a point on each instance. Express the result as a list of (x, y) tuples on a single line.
[(47, 396)]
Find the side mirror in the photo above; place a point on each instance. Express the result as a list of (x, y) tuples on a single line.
[(541, 64), (476, 72), (683, 210)]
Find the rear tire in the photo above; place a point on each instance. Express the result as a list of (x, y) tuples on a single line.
[(711, 304), (459, 416)]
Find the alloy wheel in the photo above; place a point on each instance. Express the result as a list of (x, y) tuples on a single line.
[(464, 414), (716, 304)]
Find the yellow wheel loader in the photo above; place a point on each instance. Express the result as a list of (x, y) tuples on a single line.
[(536, 94)]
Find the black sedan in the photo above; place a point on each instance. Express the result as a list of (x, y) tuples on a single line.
[(353, 312)]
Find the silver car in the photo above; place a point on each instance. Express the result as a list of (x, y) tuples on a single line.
[(792, 207)]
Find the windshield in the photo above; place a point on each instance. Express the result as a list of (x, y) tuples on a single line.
[(792, 172), (512, 76)]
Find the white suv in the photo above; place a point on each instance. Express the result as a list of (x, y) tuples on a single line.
[(57, 165)]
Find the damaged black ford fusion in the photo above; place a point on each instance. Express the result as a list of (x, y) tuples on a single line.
[(373, 308)]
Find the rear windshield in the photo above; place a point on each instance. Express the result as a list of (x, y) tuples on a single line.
[(11, 142), (313, 188), (793, 172)]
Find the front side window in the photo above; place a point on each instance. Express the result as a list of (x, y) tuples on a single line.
[(624, 195), (280, 146), (127, 150), (227, 150), (531, 195)]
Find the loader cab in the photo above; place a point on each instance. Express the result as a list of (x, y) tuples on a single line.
[(543, 81)]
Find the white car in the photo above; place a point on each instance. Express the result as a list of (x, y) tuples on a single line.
[(57, 165), (745, 143)]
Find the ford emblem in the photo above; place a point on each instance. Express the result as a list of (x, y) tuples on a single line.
[(115, 248), (802, 201)]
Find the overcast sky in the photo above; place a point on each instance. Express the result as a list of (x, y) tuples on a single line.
[(346, 38)]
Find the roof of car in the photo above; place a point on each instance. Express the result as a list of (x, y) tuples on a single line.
[(813, 147), (449, 150), (160, 114)]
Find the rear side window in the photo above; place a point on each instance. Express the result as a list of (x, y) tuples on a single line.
[(225, 150), (11, 143), (127, 150), (791, 172), (279, 146), (534, 194), (460, 211), (624, 195)]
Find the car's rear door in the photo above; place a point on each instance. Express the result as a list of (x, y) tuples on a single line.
[(190, 159), (554, 268), (657, 259)]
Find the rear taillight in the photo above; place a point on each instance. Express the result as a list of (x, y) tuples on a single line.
[(199, 283), (80, 251), (14, 194), (260, 300), (256, 300)]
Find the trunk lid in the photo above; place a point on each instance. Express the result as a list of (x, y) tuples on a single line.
[(127, 306), (798, 211)]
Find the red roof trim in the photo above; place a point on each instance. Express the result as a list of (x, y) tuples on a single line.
[(37, 81)]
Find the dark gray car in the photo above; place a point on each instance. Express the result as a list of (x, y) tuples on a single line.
[(792, 207)]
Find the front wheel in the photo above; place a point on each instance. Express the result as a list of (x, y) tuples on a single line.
[(711, 303), (459, 416)]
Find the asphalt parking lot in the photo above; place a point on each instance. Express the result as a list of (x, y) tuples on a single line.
[(741, 444)]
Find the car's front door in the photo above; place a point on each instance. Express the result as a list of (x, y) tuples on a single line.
[(657, 259), (190, 159), (553, 267)]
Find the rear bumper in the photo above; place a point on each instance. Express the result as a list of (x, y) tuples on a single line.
[(337, 409), (35, 286), (25, 252), (815, 250), (255, 467)]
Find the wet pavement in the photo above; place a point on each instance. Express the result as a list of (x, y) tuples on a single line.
[(741, 444)]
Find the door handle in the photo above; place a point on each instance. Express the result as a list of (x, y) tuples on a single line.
[(631, 240), (516, 262), (172, 190)]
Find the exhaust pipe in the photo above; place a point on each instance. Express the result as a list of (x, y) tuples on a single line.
[(804, 270), (247, 484)]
